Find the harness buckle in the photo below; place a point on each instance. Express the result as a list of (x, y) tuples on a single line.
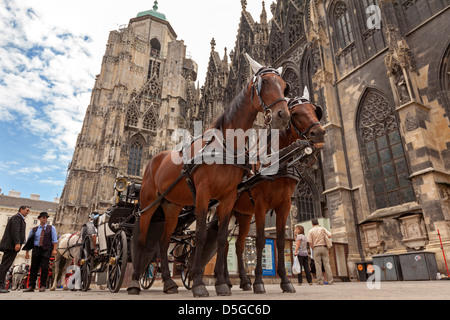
[(268, 116)]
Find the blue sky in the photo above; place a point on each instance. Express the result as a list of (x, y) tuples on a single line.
[(50, 52)]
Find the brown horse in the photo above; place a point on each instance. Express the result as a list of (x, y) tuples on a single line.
[(276, 195), (165, 187)]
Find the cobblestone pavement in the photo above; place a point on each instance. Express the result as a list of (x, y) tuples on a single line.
[(406, 290)]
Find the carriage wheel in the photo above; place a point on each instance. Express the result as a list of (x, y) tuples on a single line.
[(148, 277), (118, 259), (185, 267), (86, 264)]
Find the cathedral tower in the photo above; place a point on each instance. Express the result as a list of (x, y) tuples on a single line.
[(144, 92)]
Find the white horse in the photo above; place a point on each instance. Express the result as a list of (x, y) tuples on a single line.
[(18, 273), (69, 247)]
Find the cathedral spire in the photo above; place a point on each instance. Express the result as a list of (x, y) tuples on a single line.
[(263, 15), (225, 57), (244, 4)]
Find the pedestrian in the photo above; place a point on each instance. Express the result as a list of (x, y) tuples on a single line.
[(301, 251), (316, 240), (44, 242), (12, 241)]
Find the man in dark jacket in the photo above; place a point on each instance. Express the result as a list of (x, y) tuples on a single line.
[(12, 240)]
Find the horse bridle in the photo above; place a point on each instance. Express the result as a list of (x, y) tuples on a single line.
[(301, 101), (257, 86)]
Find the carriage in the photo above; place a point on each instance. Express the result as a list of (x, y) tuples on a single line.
[(107, 244)]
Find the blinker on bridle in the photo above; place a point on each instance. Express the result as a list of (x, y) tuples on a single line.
[(301, 101), (257, 86)]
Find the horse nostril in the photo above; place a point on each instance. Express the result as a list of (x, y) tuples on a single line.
[(282, 114)]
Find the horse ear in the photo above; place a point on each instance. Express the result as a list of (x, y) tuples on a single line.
[(306, 94), (253, 64), (280, 70)]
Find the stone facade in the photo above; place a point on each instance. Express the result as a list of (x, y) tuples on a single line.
[(380, 70)]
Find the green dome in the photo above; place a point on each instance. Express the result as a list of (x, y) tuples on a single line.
[(153, 13)]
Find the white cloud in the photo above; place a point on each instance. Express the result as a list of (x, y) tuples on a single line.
[(51, 51), (53, 182)]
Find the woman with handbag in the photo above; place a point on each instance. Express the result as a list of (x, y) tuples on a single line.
[(317, 239), (301, 251)]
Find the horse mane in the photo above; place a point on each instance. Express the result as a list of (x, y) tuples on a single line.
[(231, 110)]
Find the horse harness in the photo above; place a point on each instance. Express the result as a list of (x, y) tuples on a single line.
[(257, 87), (70, 247), (319, 113), (191, 166), (290, 158)]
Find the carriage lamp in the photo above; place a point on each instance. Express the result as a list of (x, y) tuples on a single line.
[(121, 184), (82, 262)]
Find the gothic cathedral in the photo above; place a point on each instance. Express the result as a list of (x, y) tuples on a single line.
[(379, 68)]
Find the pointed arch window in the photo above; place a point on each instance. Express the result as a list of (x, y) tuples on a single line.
[(155, 48), (385, 163), (132, 117), (291, 77), (150, 121), (304, 201), (134, 162), (343, 25)]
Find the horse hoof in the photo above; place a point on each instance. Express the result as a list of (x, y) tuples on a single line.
[(287, 288), (170, 287), (200, 291), (246, 287), (223, 289), (65, 289), (258, 288), (52, 289), (134, 291)]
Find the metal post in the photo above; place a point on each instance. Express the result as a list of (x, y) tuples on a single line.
[(443, 253)]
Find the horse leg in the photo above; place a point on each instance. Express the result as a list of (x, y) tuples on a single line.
[(260, 213), (202, 201), (171, 213), (244, 227), (282, 214), (134, 287), (222, 287), (56, 271)]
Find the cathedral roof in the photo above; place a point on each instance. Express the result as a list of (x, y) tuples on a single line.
[(153, 12)]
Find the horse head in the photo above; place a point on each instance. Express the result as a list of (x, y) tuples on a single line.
[(268, 94), (305, 120)]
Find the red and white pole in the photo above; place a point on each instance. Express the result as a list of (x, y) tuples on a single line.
[(443, 252)]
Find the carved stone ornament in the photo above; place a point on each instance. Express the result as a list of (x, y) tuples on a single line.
[(411, 123), (414, 232), (371, 239)]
